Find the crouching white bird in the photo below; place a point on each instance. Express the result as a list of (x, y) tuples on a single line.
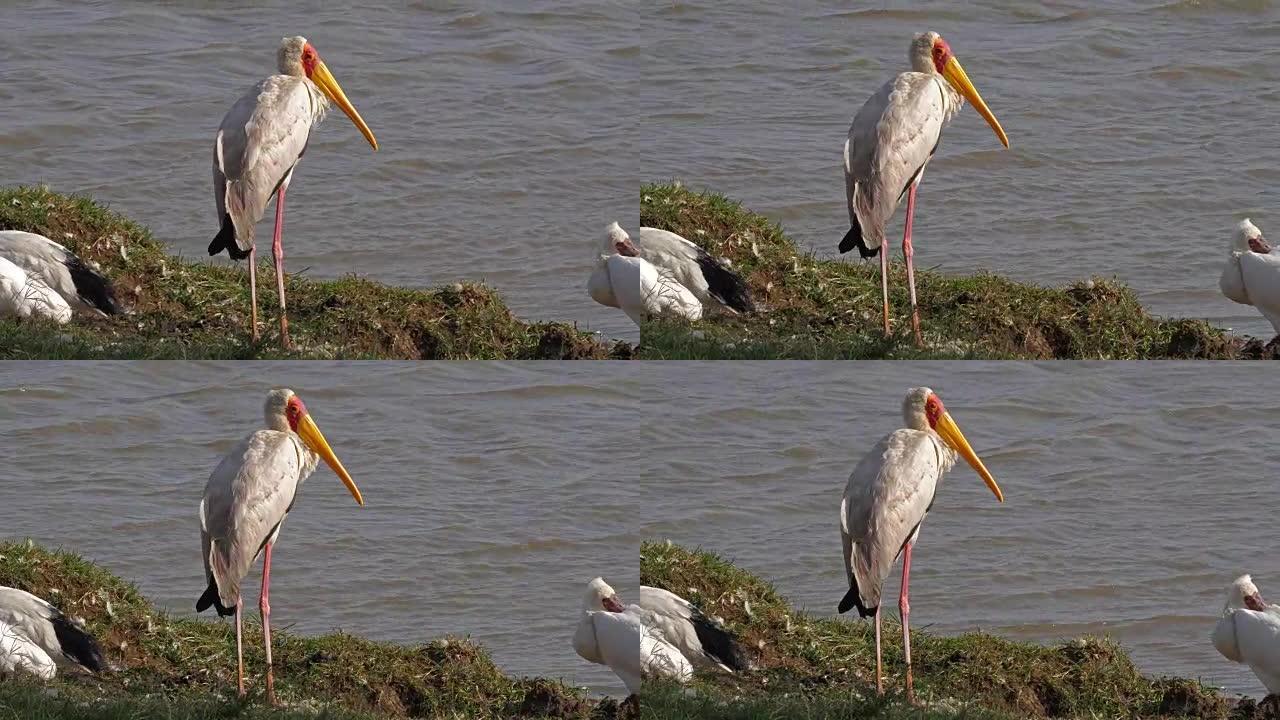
[(1251, 275), (47, 264), (37, 638), (1249, 632), (885, 501), (705, 643), (641, 289), (258, 146), (245, 503), (613, 635)]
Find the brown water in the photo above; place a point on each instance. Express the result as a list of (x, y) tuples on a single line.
[(1134, 493), (490, 499), (505, 145), (1139, 130)]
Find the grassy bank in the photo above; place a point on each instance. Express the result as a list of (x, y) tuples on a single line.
[(188, 309), (816, 667), (178, 668), (831, 308)]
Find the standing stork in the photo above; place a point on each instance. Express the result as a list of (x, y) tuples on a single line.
[(259, 143), (245, 503), (890, 141), (888, 494)]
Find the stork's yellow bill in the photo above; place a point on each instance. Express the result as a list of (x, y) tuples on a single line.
[(951, 435), (314, 439)]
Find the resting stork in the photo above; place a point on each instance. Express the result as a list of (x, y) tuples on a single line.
[(81, 287)]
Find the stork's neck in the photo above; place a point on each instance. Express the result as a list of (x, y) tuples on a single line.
[(946, 456), (319, 101), (952, 99)]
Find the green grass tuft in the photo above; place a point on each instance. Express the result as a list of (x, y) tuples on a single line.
[(830, 309), (817, 667), (186, 309), (185, 668)]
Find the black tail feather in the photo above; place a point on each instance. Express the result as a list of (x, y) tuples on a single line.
[(226, 240), (210, 598), (725, 284), (853, 239), (720, 644), (77, 644), (853, 599), (92, 286)]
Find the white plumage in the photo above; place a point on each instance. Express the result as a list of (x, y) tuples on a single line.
[(712, 280), (886, 499), (18, 654), (25, 295), (686, 628), (616, 636), (1249, 632), (1251, 274), (37, 638), (638, 287), (82, 287), (246, 500)]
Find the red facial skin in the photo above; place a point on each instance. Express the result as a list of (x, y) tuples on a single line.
[(626, 247), (1254, 602), (294, 411), (309, 59), (1260, 245), (933, 410), (612, 604), (941, 53)]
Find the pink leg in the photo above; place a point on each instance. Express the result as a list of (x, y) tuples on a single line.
[(884, 285), (239, 648), (277, 249), (264, 605), (879, 667), (911, 271), (253, 290), (904, 607)]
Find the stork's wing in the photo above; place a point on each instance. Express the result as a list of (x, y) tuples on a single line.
[(599, 286), (707, 276), (1260, 283), (244, 503), (642, 290), (18, 653), (258, 143), (82, 286), (1252, 638), (884, 502), (612, 639), (25, 294), (703, 641), (890, 140)]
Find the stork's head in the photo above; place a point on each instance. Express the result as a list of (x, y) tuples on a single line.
[(1248, 238), (618, 242), (601, 597), (923, 410), (931, 54), (297, 57), (1244, 594), (285, 412)]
